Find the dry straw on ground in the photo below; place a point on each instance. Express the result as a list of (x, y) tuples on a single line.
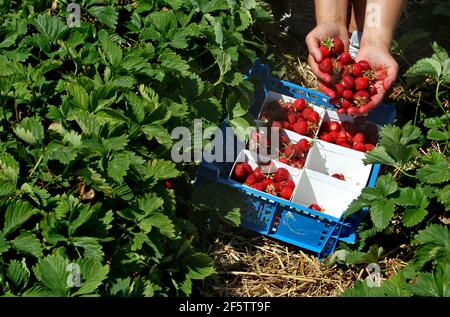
[(252, 265)]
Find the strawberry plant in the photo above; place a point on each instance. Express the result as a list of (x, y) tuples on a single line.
[(410, 204), (87, 187)]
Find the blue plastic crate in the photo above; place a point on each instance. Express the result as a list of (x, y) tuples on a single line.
[(278, 218)]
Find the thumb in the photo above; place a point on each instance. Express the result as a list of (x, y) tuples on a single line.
[(313, 48)]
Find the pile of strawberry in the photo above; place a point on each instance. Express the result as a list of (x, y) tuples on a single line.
[(290, 153), (296, 116), (278, 183), (360, 135), (352, 84)]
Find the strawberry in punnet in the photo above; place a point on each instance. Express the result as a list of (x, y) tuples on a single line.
[(281, 175), (284, 160), (300, 127), (338, 46), (341, 111), (303, 145), (369, 147), (345, 58), (286, 192), (359, 147), (286, 125), (267, 181), (361, 83), (240, 172), (326, 66), (359, 138), (292, 118), (334, 126), (258, 175), (326, 137), (300, 104), (251, 180), (315, 207), (352, 111), (338, 176), (259, 186), (289, 183)]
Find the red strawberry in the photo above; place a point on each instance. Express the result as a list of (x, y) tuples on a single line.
[(339, 89), (364, 65), (346, 104), (315, 207), (267, 181), (292, 118), (240, 172), (359, 147), (286, 125), (361, 98), (257, 173), (345, 58), (347, 94), (348, 82), (372, 90), (286, 192), (303, 145), (359, 138), (357, 70), (326, 137), (326, 66), (290, 151), (325, 51), (259, 186), (251, 180), (313, 117), (338, 176), (306, 112), (168, 184), (300, 104), (361, 83), (334, 135), (334, 126), (338, 46), (300, 127), (277, 186), (289, 183), (284, 160), (281, 174), (369, 147)]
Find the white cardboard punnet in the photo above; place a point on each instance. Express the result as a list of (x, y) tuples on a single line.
[(331, 194)]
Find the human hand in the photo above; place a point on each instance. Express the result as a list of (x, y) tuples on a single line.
[(319, 33), (386, 71)]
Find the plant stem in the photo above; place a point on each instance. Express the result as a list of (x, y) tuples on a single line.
[(417, 107), (439, 102), (37, 164)]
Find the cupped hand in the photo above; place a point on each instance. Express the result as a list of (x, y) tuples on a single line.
[(386, 71), (319, 33)]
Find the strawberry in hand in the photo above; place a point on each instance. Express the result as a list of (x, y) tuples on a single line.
[(386, 70)]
